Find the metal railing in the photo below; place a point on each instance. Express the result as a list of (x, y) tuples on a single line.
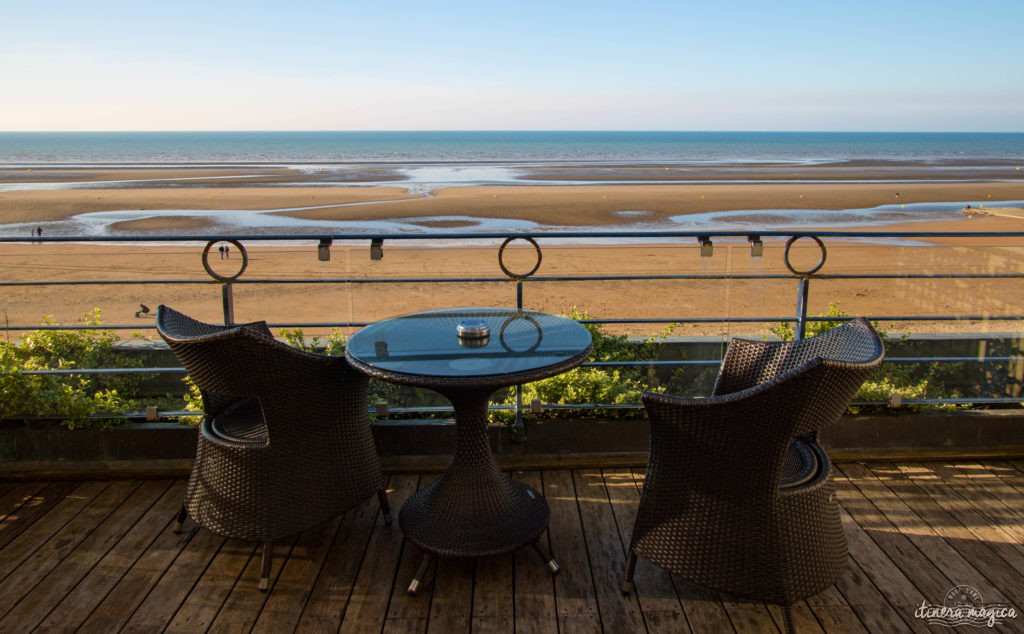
[(704, 239)]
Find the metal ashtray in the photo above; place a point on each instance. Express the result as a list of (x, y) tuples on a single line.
[(473, 330)]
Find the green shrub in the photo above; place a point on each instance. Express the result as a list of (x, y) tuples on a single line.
[(72, 397), (609, 385)]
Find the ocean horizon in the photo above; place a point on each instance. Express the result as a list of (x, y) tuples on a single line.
[(40, 149)]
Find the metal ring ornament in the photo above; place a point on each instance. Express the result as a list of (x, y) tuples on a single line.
[(218, 276), (517, 317), (501, 258), (811, 271)]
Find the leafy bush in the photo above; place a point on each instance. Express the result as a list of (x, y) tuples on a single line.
[(609, 385), (72, 397)]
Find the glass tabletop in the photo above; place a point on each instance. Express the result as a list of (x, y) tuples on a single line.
[(428, 343)]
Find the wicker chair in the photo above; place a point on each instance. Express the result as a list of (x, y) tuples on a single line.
[(737, 496), (285, 444)]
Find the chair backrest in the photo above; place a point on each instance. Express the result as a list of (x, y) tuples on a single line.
[(749, 362), (767, 394), (228, 363)]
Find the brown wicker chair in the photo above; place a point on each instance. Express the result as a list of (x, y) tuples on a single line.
[(737, 496), (285, 443)]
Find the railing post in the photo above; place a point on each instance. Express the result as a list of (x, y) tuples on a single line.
[(226, 294), (804, 287), (228, 302), (801, 307), (519, 428)]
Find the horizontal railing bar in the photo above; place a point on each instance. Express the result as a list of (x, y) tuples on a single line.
[(493, 235), (66, 372), (499, 279), (589, 364), (654, 320), (570, 406)]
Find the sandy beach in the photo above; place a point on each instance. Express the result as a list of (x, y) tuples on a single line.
[(342, 296)]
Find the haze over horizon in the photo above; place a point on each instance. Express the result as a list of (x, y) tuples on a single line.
[(791, 66)]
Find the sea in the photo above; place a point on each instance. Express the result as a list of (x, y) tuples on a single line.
[(312, 147)]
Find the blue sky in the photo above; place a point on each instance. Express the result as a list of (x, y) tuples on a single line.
[(944, 66)]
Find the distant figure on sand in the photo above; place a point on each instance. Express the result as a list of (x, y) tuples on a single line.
[(142, 311), (221, 249)]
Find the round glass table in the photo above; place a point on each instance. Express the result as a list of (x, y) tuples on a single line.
[(466, 354)]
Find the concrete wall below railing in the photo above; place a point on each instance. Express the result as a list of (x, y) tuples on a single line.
[(165, 449)]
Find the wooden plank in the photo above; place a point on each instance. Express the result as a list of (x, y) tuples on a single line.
[(293, 588), (976, 522), (174, 584), (451, 606), (833, 612), (407, 613), (244, 603), (1007, 473), (652, 585), (368, 602), (57, 509), (75, 608), (1000, 502), (33, 569), (14, 494), (928, 579), (535, 610), (869, 604), (619, 612), (956, 565), (133, 588), (1003, 578), (32, 508), (898, 595), (330, 595), (55, 585), (574, 586), (493, 598), (207, 596), (749, 616)]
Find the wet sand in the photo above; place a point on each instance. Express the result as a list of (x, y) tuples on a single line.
[(569, 206)]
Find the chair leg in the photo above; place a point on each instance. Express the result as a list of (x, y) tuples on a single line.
[(550, 560), (627, 578), (414, 585), (268, 554), (179, 521), (385, 507), (787, 619)]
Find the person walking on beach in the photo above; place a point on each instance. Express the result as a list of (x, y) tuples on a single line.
[(221, 249)]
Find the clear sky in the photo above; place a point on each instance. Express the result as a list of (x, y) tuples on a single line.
[(551, 65)]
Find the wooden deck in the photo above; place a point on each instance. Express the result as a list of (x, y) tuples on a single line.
[(101, 556)]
